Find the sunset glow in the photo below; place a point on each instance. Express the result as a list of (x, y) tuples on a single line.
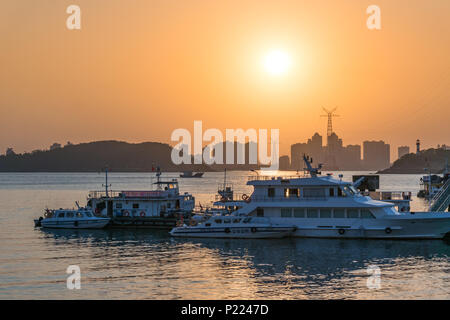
[(137, 72), (277, 62)]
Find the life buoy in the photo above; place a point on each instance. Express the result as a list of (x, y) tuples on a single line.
[(227, 230), (388, 230), (142, 214), (253, 229), (341, 231), (126, 213), (246, 198)]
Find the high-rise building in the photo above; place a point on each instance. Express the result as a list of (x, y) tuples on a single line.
[(284, 163), (402, 151), (377, 155)]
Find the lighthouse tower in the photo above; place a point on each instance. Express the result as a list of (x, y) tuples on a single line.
[(418, 146)]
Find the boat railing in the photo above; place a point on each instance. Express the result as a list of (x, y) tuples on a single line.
[(128, 194), (441, 200), (234, 197), (293, 198), (276, 178)]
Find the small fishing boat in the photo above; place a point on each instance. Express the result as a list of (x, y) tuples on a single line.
[(234, 227), (190, 174), (71, 219)]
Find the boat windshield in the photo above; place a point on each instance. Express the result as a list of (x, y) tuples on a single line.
[(349, 190)]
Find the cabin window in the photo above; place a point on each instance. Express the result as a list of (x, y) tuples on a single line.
[(246, 220), (331, 192), (271, 192), (325, 213), (118, 205), (236, 220), (260, 212), (299, 213), (312, 213), (69, 215), (352, 213), (227, 221), (366, 214), (339, 213), (293, 192), (286, 213), (61, 215), (135, 205), (88, 214), (340, 193), (313, 192), (80, 215), (218, 221), (207, 224)]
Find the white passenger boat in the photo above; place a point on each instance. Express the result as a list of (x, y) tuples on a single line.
[(235, 227), (71, 219), (322, 206)]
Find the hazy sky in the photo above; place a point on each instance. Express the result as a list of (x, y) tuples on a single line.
[(138, 69)]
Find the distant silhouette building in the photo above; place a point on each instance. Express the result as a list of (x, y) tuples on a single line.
[(402, 151), (334, 156), (376, 155), (284, 163)]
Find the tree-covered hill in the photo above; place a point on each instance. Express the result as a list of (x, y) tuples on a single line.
[(94, 156)]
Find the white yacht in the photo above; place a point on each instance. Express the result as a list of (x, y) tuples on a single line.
[(81, 218), (322, 206), (234, 227)]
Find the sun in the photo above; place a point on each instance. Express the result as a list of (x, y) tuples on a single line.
[(277, 62)]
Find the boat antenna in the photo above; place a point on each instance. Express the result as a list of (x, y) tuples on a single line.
[(158, 177), (224, 178), (106, 185)]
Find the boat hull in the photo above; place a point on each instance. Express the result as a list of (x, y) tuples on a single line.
[(75, 224), (418, 226), (234, 233)]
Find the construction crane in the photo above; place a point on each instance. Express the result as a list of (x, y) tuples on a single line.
[(330, 115)]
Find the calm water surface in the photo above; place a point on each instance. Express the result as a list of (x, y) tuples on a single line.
[(148, 264)]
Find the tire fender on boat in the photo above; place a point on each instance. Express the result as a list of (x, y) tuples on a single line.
[(253, 229), (341, 231), (388, 230), (142, 213), (227, 230)]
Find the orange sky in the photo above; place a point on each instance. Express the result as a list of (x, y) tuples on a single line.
[(139, 69)]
